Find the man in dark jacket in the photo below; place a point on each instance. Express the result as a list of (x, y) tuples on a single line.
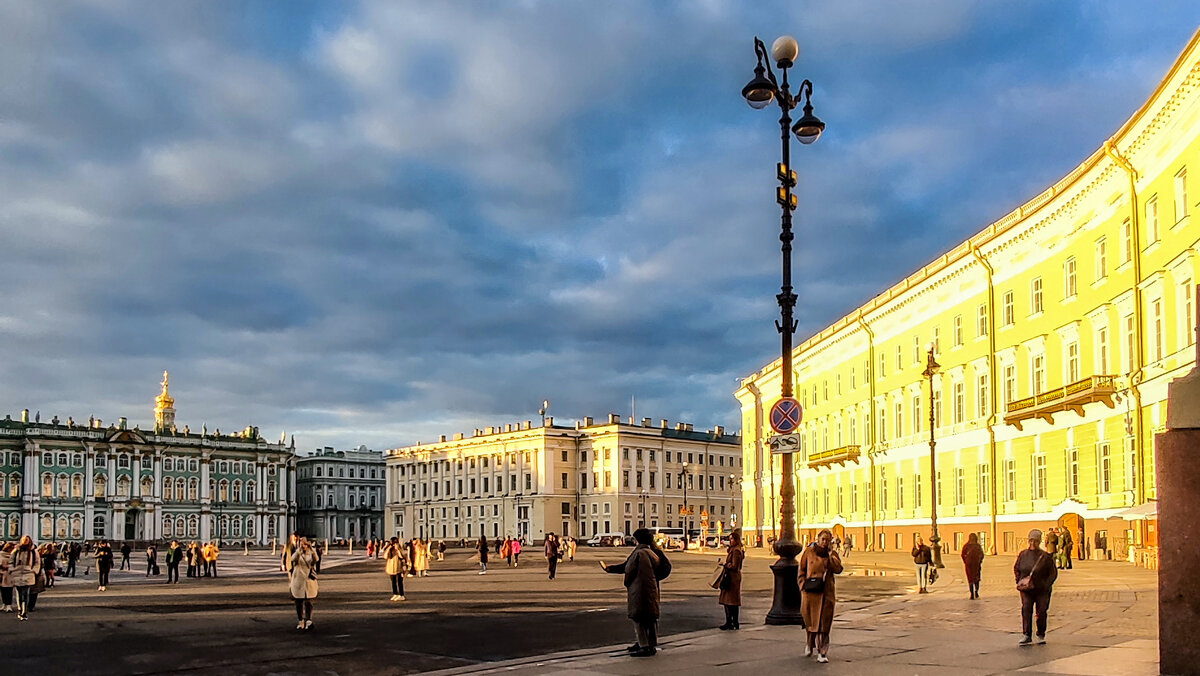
[(643, 570), (1038, 566), (73, 551), (1066, 545), (126, 550), (174, 557), (104, 564)]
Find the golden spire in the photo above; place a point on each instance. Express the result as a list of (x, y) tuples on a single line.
[(165, 400)]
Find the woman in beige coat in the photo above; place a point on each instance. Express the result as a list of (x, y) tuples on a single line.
[(304, 582), (818, 566), (23, 565)]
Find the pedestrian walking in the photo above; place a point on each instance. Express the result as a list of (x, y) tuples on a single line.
[(211, 556), (972, 556), (174, 556), (516, 550), (646, 566), (6, 582), (151, 560), (731, 581), (421, 562), (49, 554), (285, 561), (104, 563), (303, 582), (849, 548), (441, 550), (394, 565), (483, 554), (1051, 545), (922, 556), (126, 550), (505, 550), (23, 566), (193, 557), (1066, 546), (819, 565), (552, 554), (1035, 575), (73, 552), (572, 544)]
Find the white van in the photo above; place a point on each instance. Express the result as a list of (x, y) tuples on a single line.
[(606, 540), (668, 538)]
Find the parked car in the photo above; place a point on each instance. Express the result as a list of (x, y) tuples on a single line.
[(606, 540)]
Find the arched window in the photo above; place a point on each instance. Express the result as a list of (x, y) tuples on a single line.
[(47, 486), (271, 528), (168, 464), (180, 491), (14, 485), (212, 489), (168, 524), (249, 526), (63, 485), (123, 486), (47, 527), (147, 486), (101, 483), (180, 527), (237, 526), (77, 485), (236, 495), (14, 526), (168, 492), (271, 491), (193, 489), (47, 459), (223, 491), (193, 526), (3, 484), (62, 460), (224, 526), (250, 496), (62, 527), (123, 461), (98, 526), (318, 500), (76, 526)]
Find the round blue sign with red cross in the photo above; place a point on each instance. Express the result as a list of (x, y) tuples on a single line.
[(786, 415)]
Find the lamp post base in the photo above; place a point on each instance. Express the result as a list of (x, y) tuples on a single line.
[(785, 607), (937, 552)]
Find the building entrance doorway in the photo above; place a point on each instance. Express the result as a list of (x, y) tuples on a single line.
[(132, 518), (1073, 524)]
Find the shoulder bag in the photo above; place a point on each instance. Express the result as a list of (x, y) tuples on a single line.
[(718, 577), (1026, 583), (815, 585)]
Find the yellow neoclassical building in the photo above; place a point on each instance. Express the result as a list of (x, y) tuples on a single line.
[(1057, 329)]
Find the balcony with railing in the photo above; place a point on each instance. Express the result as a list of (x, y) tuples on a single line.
[(829, 458), (1071, 397)]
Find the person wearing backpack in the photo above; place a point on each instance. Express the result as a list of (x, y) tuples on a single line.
[(922, 557), (1035, 574), (646, 566)]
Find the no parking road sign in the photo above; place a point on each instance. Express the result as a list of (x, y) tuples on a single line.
[(786, 415)]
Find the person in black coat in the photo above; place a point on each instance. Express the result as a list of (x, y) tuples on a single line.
[(126, 550), (104, 563), (174, 556), (1038, 566)]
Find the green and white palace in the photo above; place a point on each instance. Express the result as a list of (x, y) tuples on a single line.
[(85, 481)]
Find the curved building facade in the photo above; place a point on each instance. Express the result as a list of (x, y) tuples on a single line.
[(1057, 329)]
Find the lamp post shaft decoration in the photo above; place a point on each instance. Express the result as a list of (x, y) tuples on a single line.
[(759, 93), (931, 369)]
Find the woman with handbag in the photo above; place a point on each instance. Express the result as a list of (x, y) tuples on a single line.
[(23, 565), (818, 595), (731, 580), (303, 582), (1035, 574)]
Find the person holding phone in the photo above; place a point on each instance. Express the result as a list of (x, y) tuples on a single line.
[(303, 582)]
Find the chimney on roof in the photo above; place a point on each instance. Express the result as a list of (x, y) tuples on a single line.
[(491, 430), (678, 427), (441, 438), (647, 422), (687, 427), (663, 423), (458, 436), (614, 419), (719, 430), (588, 421), (549, 421)]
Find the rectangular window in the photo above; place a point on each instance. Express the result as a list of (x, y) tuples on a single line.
[(984, 392), (1101, 260), (1039, 374), (1127, 238), (1181, 206), (1010, 480), (1156, 316), (1187, 314), (899, 357), (960, 486), (1128, 358), (960, 402), (1072, 351), (1008, 313), (918, 494), (1102, 351), (899, 420), (1039, 477), (1069, 278), (1152, 220), (838, 381), (916, 413), (1131, 474), (982, 316), (853, 379), (1010, 384), (1104, 466), (958, 330), (984, 489), (899, 492), (937, 340), (1073, 471), (916, 349), (1035, 296), (882, 367)]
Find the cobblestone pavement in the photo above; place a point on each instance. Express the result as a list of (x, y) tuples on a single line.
[(1103, 620)]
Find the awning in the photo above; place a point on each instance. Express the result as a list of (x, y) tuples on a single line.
[(1142, 512)]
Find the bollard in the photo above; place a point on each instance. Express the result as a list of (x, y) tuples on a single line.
[(247, 545), (350, 551), (273, 543)]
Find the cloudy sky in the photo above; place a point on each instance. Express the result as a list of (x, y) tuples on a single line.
[(375, 222)]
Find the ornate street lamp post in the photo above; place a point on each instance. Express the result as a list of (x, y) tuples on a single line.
[(931, 370), (764, 88), (686, 513), (54, 503)]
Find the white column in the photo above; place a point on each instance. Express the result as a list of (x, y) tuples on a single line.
[(32, 461), (135, 491), (89, 488)]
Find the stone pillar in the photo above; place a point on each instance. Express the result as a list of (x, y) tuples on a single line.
[(1178, 482)]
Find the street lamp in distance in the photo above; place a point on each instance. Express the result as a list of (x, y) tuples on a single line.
[(931, 369)]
